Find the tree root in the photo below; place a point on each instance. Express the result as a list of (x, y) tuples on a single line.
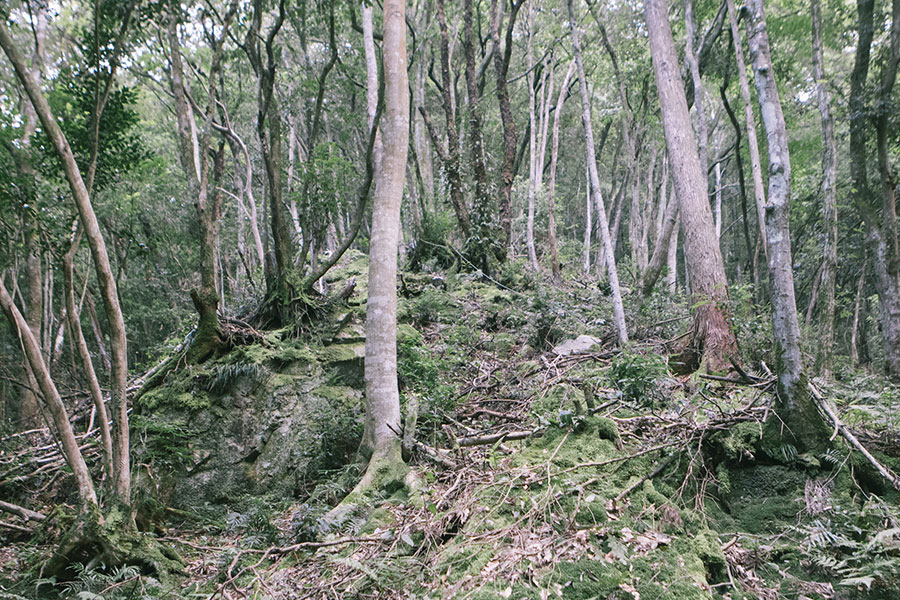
[(109, 540)]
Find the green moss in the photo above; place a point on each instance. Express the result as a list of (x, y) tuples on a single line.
[(341, 353), (407, 334), (607, 430), (343, 396)]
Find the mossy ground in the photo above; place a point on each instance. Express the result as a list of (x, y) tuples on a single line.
[(734, 514)]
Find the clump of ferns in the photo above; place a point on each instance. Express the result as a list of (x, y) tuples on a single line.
[(860, 548), (96, 582), (224, 377)]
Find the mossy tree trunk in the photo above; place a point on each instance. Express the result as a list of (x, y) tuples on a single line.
[(795, 405)]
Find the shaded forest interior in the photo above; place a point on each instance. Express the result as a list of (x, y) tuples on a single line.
[(429, 299)]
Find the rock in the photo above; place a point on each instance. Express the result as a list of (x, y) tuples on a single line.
[(580, 345), (270, 431)]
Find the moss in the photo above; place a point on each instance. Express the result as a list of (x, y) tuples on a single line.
[(341, 353), (587, 579), (407, 334), (607, 430), (341, 395), (379, 519)]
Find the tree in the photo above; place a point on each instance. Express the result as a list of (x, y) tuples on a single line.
[(105, 276), (878, 211), (829, 193), (382, 424), (795, 405), (711, 335), (612, 273)]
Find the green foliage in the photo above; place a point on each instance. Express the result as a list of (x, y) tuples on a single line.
[(253, 521), (858, 547), (752, 331), (546, 328), (161, 443), (636, 375), (419, 371), (101, 583), (433, 306), (432, 249)]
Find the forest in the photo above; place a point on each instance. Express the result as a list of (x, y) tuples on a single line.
[(420, 299)]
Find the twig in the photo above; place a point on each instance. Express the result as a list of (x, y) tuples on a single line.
[(641, 481)]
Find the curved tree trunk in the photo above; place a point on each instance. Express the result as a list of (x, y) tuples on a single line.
[(32, 351), (105, 276), (711, 338)]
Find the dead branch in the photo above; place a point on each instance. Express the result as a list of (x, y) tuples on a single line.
[(28, 515), (889, 475)]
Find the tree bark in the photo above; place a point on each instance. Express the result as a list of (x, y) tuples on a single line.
[(84, 355), (712, 340), (551, 185), (382, 395), (32, 351), (750, 125), (878, 213), (796, 407), (612, 273), (501, 66), (100, 256)]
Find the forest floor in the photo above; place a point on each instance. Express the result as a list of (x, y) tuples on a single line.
[(549, 464)]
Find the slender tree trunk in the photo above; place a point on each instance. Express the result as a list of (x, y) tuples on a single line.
[(84, 355), (672, 258), (854, 328), (829, 196), (739, 161), (483, 244), (879, 213), (588, 218), (750, 125), (105, 277), (662, 249), (52, 399), (795, 406), (382, 395), (693, 65), (612, 273), (534, 163), (501, 66), (371, 77), (554, 160), (711, 336)]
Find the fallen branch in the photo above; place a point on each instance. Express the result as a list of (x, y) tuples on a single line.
[(641, 481), (28, 515), (493, 438), (14, 527), (839, 426)]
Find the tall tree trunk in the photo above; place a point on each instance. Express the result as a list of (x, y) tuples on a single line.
[(795, 405), (207, 339), (612, 273), (700, 99), (77, 336), (105, 277), (382, 396), (501, 66), (712, 340), (739, 160), (829, 196), (749, 124), (860, 299), (554, 160), (588, 218), (371, 77), (483, 245), (672, 258), (878, 213)]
